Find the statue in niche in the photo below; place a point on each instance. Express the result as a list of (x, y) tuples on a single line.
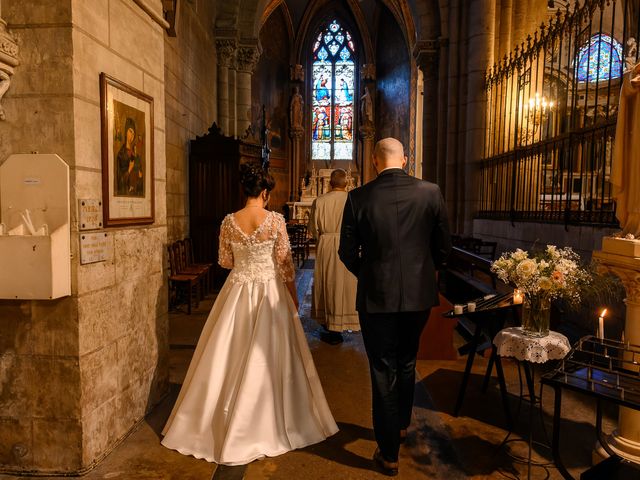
[(625, 171), (366, 107), (296, 109)]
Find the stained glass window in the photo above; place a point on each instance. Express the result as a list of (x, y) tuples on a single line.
[(333, 77), (600, 59)]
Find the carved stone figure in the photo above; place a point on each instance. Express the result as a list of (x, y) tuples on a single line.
[(296, 109), (625, 171), (366, 107), (8, 60), (632, 51), (297, 73)]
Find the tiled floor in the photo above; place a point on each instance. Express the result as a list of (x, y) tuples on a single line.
[(439, 446)]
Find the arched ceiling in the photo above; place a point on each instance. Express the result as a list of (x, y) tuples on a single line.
[(419, 19)]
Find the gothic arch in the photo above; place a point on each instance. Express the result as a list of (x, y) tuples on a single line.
[(310, 21), (271, 7)]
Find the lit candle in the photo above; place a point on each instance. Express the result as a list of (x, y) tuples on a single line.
[(457, 309), (601, 323), (517, 297), (471, 307)]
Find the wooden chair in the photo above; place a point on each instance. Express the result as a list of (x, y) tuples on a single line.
[(299, 240), (187, 284), (206, 267), (185, 266)]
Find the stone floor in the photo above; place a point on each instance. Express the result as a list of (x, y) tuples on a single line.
[(439, 445)]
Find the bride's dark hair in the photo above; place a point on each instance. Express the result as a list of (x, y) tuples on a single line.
[(254, 180)]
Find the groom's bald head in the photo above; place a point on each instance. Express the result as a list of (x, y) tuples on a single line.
[(388, 153)]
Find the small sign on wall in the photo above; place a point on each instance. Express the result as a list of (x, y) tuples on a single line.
[(95, 247), (89, 214)]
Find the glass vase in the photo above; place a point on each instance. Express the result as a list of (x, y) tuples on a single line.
[(536, 315)]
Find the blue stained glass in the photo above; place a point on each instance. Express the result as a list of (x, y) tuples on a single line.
[(333, 95), (600, 59)]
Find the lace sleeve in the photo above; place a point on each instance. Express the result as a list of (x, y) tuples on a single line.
[(284, 262), (225, 254)]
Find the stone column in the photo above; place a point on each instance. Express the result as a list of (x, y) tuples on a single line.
[(246, 59), (226, 49), (622, 258), (426, 54), (8, 61), (443, 112), (367, 128), (479, 57)]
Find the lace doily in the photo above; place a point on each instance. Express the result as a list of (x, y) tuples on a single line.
[(511, 342)]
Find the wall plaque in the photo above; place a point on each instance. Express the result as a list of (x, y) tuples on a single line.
[(95, 247), (89, 214)]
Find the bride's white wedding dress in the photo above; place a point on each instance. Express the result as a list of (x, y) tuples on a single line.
[(252, 389)]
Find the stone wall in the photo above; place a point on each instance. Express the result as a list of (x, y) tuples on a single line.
[(76, 374), (524, 235), (190, 89)]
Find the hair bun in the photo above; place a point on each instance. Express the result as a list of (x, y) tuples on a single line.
[(254, 179)]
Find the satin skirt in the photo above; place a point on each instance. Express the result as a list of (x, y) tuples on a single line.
[(252, 389)]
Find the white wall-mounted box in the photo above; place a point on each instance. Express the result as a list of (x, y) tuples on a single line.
[(35, 266)]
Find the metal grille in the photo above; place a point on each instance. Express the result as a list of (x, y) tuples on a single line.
[(551, 116)]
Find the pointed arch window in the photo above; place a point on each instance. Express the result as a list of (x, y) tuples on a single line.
[(333, 82), (600, 59)]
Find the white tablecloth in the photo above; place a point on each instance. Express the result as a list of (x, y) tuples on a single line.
[(511, 342)]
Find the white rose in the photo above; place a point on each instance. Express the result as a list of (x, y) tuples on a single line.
[(526, 268), (545, 283)]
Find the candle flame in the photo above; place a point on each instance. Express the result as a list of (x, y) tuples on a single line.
[(603, 313)]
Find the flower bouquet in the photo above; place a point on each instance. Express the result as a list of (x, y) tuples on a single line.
[(543, 276)]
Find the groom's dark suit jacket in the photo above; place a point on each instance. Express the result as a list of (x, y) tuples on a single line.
[(394, 234)]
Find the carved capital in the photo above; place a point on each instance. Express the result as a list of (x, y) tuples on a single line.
[(226, 49), (368, 72), (426, 53), (296, 73), (8, 60), (247, 58), (296, 133), (629, 278), (367, 132)]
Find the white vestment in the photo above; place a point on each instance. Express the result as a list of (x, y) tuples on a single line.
[(334, 287)]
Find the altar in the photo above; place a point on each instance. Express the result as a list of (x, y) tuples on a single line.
[(311, 187)]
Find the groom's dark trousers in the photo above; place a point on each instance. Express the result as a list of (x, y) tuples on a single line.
[(394, 234)]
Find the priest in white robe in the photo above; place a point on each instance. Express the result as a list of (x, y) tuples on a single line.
[(334, 287)]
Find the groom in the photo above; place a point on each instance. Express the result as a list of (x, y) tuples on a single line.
[(394, 235)]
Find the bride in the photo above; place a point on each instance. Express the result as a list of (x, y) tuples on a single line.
[(252, 389)]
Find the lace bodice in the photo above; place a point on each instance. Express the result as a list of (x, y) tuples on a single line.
[(259, 257)]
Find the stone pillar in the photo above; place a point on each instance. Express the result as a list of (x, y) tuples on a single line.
[(226, 49), (443, 112), (479, 57), (622, 258), (504, 35), (8, 60), (246, 59), (426, 54), (367, 128)]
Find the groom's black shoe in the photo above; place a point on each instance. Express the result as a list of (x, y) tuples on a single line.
[(331, 337), (388, 468)]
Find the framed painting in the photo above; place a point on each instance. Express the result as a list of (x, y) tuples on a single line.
[(127, 154)]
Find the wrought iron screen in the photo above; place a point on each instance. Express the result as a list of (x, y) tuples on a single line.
[(551, 116)]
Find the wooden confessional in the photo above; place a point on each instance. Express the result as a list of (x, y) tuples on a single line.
[(214, 190)]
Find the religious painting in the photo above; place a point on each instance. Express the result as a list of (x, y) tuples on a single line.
[(127, 154)]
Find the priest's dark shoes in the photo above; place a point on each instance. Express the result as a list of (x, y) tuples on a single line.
[(388, 468)]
